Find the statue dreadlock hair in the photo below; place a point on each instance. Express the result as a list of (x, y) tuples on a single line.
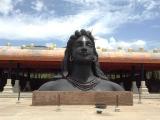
[(67, 64)]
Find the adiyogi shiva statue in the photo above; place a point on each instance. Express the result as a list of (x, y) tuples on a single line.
[(81, 71)]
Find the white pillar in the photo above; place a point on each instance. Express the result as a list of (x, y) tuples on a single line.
[(16, 86), (144, 89), (27, 86), (134, 87), (8, 87)]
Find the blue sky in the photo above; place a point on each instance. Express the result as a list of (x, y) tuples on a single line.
[(114, 23)]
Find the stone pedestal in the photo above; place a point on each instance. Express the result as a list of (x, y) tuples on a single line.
[(27, 86), (144, 89), (8, 87), (16, 86), (115, 98), (134, 87)]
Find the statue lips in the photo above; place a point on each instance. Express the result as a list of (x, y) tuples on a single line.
[(84, 54)]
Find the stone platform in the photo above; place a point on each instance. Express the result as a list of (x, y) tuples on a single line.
[(29, 95), (82, 98), (15, 95), (10, 110)]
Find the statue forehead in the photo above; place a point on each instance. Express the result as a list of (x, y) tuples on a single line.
[(83, 38)]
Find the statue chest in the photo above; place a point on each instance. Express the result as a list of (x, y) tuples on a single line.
[(64, 85)]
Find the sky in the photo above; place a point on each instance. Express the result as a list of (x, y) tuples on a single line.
[(114, 23)]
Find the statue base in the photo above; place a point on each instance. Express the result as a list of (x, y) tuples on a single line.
[(82, 98)]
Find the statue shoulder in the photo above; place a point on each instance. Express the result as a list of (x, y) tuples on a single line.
[(50, 85), (47, 86), (111, 85)]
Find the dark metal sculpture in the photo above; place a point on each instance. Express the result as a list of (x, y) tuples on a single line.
[(80, 68)]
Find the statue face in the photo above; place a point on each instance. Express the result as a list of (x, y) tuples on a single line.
[(83, 50)]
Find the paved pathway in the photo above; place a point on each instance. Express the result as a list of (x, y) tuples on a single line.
[(9, 110)]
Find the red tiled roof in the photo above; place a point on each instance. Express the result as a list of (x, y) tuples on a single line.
[(58, 53)]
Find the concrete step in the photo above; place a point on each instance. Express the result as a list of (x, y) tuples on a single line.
[(15, 95), (147, 96), (29, 95)]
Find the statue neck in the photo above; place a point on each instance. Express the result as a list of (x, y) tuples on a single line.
[(82, 72)]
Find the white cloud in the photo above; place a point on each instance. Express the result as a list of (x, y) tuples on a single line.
[(113, 44), (149, 4), (6, 6), (101, 16), (38, 5), (102, 42), (23, 27), (108, 22), (150, 10), (84, 1)]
